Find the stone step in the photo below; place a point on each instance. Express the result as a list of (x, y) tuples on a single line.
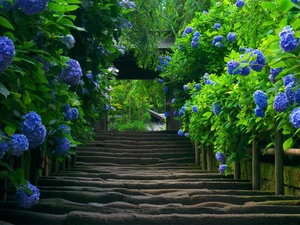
[(160, 155), (94, 218), (140, 145), (157, 166), (132, 160), (148, 185), (136, 150)]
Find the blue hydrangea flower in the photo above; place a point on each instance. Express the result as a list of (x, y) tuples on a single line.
[(194, 44), (217, 41), (197, 34), (295, 118), (220, 157), (3, 149), (232, 67), (297, 97), (72, 74), (33, 129), (245, 71), (90, 75), (197, 87), (188, 30), (273, 73), (204, 12), (66, 107), (260, 99), (240, 3), (259, 112), (173, 100), (175, 113), (167, 114), (159, 68), (242, 50), (195, 109), (65, 128), (185, 87), (26, 200), (6, 6), (165, 89), (217, 108), (62, 145), (186, 134), (180, 132), (295, 1), (289, 80), (222, 168), (290, 94), (281, 102), (71, 114), (195, 39), (181, 113), (288, 41), (7, 52), (260, 61), (18, 144), (231, 37), (206, 79), (183, 108), (69, 41), (30, 7), (217, 26), (126, 4)]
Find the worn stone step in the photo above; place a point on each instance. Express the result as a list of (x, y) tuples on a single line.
[(160, 155), (158, 166), (148, 145), (136, 150), (149, 185), (132, 160)]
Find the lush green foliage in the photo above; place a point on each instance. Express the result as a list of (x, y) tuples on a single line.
[(256, 25), (32, 83)]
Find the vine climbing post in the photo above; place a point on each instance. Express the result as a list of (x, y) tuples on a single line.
[(255, 165), (279, 184)]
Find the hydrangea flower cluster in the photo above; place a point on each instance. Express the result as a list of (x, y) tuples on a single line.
[(206, 80), (222, 168), (7, 52), (46, 64), (281, 102), (181, 112), (217, 26), (240, 3), (175, 113), (166, 89), (160, 80), (218, 41), (121, 49), (231, 37), (30, 7), (197, 86), (297, 97), (295, 1), (6, 6), (183, 108), (220, 157), (195, 40), (64, 128), (26, 200), (295, 118), (62, 145), (259, 112), (180, 132), (273, 73), (288, 41), (217, 108), (289, 80), (186, 134), (3, 149), (18, 144), (167, 114), (185, 87), (173, 100), (163, 62), (69, 41), (123, 24), (260, 61), (72, 74), (232, 66), (260, 99), (71, 114), (33, 129), (194, 108), (127, 4), (188, 30)]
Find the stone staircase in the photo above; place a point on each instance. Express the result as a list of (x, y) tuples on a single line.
[(147, 179)]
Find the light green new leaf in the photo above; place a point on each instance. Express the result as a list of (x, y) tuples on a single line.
[(288, 143), (5, 23)]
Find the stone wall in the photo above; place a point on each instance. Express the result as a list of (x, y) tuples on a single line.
[(267, 175)]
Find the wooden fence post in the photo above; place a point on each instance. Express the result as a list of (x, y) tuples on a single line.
[(203, 152), (255, 165), (237, 169), (279, 183), (209, 158), (197, 157)]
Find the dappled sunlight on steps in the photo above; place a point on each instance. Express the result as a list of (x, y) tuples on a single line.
[(147, 178)]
